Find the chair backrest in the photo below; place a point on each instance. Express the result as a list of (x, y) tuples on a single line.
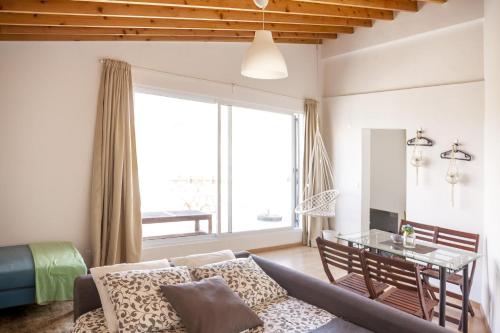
[(460, 240), (424, 232), (395, 272), (340, 256)]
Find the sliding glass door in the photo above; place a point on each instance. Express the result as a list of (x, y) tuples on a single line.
[(177, 158), (262, 169), (238, 165)]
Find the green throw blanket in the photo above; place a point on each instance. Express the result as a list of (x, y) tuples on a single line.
[(57, 264)]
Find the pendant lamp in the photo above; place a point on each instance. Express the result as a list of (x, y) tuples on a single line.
[(263, 59)]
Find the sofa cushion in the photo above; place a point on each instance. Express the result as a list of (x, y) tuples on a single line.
[(17, 269), (197, 260), (288, 314), (138, 301), (245, 278), (91, 322), (107, 306), (284, 315), (341, 326), (204, 307)]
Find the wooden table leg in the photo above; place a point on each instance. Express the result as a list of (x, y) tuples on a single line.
[(465, 300), (442, 295), (196, 225), (210, 225)]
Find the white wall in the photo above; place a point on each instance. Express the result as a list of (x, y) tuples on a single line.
[(445, 112), (444, 56), (429, 18), (492, 161), (430, 77), (48, 98)]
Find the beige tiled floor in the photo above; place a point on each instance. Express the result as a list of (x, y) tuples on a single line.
[(307, 260)]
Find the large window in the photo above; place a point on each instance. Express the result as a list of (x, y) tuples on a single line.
[(208, 168), (262, 169)]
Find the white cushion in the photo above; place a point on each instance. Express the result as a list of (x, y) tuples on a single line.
[(197, 260), (107, 306)]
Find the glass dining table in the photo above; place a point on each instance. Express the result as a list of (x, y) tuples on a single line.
[(447, 259)]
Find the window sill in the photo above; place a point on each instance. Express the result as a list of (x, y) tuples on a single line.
[(200, 239)]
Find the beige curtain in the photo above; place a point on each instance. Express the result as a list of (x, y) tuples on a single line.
[(115, 215), (311, 226)]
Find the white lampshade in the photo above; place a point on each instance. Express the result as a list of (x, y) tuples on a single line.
[(263, 59), (261, 3)]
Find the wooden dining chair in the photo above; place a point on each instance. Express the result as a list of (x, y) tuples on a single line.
[(459, 240), (424, 232), (348, 259), (407, 293)]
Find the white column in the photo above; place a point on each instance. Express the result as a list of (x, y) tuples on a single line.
[(491, 288)]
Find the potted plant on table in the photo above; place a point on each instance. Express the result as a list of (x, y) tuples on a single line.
[(409, 237)]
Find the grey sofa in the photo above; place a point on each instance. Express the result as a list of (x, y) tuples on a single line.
[(358, 314)]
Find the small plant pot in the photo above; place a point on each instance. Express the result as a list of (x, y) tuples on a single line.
[(410, 241)]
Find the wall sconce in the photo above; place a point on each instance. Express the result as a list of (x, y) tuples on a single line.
[(417, 142), (453, 175)]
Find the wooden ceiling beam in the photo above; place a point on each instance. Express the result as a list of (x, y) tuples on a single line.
[(403, 5), (275, 6), (39, 30), (113, 22), (64, 7), (436, 1), (45, 37)]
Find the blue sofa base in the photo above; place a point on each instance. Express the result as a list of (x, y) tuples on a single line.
[(17, 276), (15, 297)]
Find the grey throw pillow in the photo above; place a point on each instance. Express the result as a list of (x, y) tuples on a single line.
[(210, 306)]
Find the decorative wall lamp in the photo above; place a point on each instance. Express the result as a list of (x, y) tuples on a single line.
[(453, 175), (417, 142)]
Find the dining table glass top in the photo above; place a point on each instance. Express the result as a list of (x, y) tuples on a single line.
[(430, 253)]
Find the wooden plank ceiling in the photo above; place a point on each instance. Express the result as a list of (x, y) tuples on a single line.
[(291, 21)]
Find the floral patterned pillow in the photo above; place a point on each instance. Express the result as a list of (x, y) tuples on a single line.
[(138, 301), (245, 278)]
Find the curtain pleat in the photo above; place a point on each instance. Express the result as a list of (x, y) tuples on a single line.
[(311, 226), (115, 216)]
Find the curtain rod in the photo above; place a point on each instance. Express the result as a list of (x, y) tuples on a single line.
[(232, 85)]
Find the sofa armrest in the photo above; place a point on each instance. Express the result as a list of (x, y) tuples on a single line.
[(85, 296), (349, 306)]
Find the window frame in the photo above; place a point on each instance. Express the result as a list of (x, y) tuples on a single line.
[(217, 227)]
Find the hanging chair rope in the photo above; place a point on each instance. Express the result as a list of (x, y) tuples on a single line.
[(320, 171)]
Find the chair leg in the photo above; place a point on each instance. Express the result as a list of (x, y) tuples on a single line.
[(471, 310), (432, 293)]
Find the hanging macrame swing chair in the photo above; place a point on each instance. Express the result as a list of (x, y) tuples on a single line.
[(320, 177)]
